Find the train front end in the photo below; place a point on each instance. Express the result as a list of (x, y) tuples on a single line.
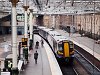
[(66, 51)]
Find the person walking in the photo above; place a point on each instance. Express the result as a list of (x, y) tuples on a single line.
[(37, 44), (36, 57)]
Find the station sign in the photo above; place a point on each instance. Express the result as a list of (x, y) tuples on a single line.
[(24, 42), (20, 18)]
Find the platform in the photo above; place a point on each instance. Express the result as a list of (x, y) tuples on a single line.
[(86, 43), (46, 64), (5, 46)]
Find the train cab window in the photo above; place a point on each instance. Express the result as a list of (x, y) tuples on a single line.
[(71, 44), (60, 47), (58, 35)]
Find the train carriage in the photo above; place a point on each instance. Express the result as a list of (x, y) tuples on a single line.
[(62, 47)]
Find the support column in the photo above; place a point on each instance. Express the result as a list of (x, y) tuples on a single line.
[(91, 25), (31, 25), (25, 48), (31, 29), (53, 21), (14, 38), (26, 26), (73, 25)]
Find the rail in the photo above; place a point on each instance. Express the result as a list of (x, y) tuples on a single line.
[(90, 68)]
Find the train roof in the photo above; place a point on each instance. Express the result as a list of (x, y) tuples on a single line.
[(47, 29), (57, 36), (41, 27), (35, 25), (54, 33), (60, 38)]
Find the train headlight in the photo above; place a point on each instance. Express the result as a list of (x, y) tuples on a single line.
[(72, 52), (59, 52)]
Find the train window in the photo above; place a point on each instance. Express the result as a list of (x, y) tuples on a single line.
[(36, 31), (54, 45), (60, 47), (58, 35), (71, 44)]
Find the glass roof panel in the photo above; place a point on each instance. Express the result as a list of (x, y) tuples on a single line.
[(54, 6)]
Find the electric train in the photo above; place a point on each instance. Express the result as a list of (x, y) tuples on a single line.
[(62, 47)]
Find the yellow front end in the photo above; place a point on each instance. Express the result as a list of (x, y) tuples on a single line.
[(66, 50)]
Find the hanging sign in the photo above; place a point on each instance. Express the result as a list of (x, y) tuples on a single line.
[(24, 42)]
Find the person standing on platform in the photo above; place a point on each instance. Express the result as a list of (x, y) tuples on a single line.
[(10, 67), (36, 57), (37, 44), (42, 43)]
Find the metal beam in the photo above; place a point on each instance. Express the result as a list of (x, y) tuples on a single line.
[(37, 4), (72, 2)]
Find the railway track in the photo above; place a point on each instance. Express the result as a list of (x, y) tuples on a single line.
[(81, 66), (88, 66), (68, 69), (75, 69)]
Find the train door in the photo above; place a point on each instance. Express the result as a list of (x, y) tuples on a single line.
[(66, 49)]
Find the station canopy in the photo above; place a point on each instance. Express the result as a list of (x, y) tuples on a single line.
[(67, 7)]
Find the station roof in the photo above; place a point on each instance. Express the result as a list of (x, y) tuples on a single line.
[(66, 7)]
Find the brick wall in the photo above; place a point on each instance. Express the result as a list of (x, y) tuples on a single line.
[(89, 22)]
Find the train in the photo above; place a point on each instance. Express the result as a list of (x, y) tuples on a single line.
[(62, 47)]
